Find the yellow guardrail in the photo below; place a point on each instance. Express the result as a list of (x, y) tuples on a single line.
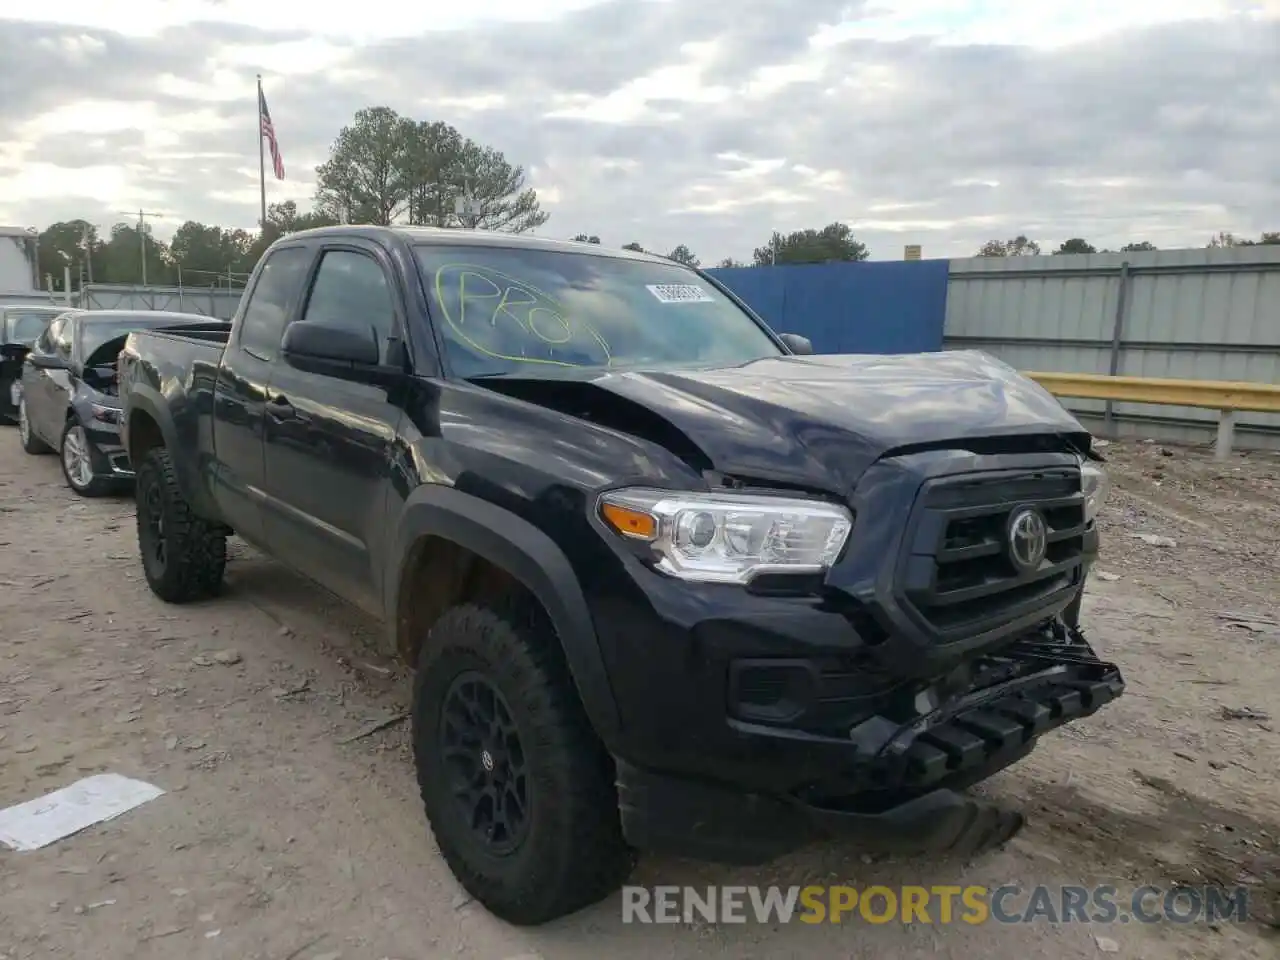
[(1225, 396)]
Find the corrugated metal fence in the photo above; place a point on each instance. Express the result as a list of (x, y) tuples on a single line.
[(1193, 314), (882, 307)]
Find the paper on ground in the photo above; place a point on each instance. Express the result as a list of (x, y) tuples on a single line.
[(40, 822)]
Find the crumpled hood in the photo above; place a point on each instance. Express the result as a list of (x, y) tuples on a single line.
[(821, 421)]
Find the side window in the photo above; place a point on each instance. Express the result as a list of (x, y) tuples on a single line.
[(352, 292), (267, 310)]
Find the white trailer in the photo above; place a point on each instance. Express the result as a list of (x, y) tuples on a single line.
[(19, 266)]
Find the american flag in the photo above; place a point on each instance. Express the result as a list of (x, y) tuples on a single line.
[(268, 130)]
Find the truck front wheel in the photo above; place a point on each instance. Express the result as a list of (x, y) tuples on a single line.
[(517, 787), (183, 556)]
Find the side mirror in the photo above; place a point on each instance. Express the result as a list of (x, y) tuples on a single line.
[(315, 341), (797, 344), (336, 352), (47, 361)]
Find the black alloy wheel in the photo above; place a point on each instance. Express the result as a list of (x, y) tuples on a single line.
[(151, 542), (485, 763), (183, 556), (518, 789)]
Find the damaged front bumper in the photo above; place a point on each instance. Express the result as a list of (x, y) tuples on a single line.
[(1051, 678), (895, 782)]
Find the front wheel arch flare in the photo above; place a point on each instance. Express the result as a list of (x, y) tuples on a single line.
[(528, 556)]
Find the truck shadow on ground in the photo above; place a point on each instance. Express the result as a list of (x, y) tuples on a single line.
[(1189, 842)]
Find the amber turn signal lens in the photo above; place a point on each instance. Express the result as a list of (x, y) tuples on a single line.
[(630, 523)]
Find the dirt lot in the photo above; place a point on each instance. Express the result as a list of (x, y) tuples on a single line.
[(277, 839)]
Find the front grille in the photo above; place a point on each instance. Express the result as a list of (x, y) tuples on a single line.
[(961, 575)]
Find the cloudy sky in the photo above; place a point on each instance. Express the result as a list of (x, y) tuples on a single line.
[(940, 122)]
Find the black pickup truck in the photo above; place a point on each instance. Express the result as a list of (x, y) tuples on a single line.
[(669, 581)]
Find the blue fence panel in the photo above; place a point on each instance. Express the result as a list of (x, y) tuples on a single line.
[(882, 307)]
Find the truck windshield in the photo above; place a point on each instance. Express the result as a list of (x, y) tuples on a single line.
[(508, 310)]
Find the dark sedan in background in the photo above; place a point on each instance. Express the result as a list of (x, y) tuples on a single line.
[(20, 327), (68, 399)]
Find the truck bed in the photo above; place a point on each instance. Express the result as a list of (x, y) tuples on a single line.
[(215, 331), (175, 368), (173, 349), (189, 355)]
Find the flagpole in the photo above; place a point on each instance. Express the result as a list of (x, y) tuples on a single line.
[(262, 163)]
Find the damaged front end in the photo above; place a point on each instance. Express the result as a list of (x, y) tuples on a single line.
[(860, 698), (984, 715)]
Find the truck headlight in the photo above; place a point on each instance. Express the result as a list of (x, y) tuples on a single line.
[(729, 538), (1095, 486)]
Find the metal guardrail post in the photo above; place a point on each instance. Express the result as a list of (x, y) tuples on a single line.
[(1117, 338), (1226, 434)]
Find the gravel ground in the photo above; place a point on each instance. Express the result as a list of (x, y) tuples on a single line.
[(282, 837)]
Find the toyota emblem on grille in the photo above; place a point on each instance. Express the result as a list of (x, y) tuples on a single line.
[(1028, 539)]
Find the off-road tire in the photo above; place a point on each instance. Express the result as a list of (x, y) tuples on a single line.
[(574, 854), (97, 487), (195, 556), (30, 442)]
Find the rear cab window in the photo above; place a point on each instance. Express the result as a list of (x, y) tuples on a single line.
[(267, 310)]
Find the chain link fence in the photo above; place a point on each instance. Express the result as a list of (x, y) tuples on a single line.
[(207, 301)]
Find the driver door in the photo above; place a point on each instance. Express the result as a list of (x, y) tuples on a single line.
[(329, 441)]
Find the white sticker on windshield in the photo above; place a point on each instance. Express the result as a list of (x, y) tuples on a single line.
[(679, 292)]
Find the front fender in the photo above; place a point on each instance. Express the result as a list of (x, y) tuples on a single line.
[(528, 555)]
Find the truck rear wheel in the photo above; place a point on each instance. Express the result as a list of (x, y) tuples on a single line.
[(183, 556), (517, 787)]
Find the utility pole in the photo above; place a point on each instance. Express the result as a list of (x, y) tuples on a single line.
[(467, 209), (142, 236), (88, 255)]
